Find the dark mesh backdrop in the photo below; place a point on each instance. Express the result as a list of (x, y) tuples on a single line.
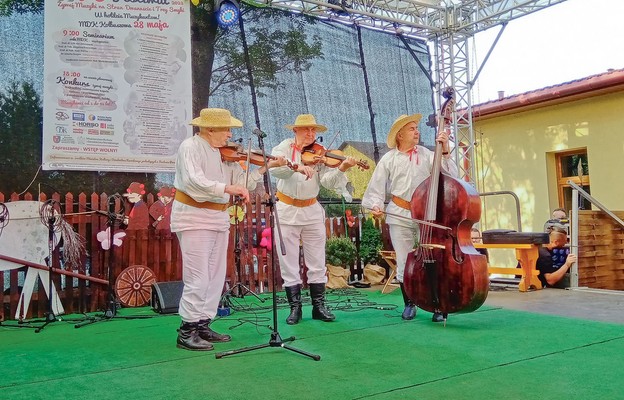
[(333, 89), (21, 53)]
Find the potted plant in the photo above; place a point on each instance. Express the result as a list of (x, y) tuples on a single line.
[(340, 254), (340, 251), (370, 243)]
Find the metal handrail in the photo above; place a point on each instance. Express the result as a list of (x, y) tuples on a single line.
[(515, 198), (595, 202)]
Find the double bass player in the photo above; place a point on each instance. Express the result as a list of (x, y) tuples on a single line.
[(399, 172)]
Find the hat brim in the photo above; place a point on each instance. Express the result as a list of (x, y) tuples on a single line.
[(202, 123), (396, 127), (320, 128)]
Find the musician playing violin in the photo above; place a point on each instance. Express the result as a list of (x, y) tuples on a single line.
[(402, 170), (302, 219), (204, 184)]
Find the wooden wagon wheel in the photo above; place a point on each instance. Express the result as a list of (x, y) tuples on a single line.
[(133, 286), (4, 216)]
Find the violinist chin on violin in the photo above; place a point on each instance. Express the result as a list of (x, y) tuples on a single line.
[(401, 171), (302, 219), (204, 184)]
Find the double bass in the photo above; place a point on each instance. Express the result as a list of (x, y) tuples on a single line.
[(445, 273)]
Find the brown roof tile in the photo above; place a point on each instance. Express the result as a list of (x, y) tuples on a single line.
[(594, 85)]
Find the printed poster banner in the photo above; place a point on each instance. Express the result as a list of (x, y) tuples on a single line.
[(117, 84)]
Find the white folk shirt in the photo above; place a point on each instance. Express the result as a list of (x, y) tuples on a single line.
[(399, 174), (295, 185), (201, 174)]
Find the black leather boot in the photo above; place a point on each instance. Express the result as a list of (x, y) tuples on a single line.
[(439, 317), (188, 338), (317, 294), (293, 294), (410, 308), (204, 331)]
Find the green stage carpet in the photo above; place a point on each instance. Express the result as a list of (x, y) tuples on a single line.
[(367, 353)]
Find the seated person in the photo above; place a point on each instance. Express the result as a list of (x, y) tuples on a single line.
[(560, 219), (554, 259), (475, 235), (559, 213)]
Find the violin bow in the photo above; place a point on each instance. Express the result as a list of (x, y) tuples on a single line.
[(248, 162), (333, 139), (237, 199), (434, 225)]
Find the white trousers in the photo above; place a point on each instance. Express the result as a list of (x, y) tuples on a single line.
[(313, 238), (204, 259), (402, 238)]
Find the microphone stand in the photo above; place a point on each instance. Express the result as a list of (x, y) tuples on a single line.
[(48, 214), (112, 304), (276, 339), (238, 290), (241, 289)]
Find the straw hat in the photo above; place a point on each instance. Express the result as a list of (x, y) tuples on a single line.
[(306, 120), (216, 118), (398, 124)]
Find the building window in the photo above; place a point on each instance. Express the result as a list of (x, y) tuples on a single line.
[(572, 166)]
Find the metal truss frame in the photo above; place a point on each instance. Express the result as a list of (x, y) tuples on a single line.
[(446, 24)]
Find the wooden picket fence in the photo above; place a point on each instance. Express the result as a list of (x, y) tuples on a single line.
[(157, 250), (601, 250)]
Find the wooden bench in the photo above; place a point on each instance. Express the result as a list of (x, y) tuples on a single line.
[(526, 254)]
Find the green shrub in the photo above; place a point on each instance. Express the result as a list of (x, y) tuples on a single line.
[(370, 243), (340, 251)]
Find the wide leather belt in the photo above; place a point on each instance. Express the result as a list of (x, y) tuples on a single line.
[(295, 202), (404, 204), (189, 201)]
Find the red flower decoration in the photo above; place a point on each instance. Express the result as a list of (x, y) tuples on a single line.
[(350, 218)]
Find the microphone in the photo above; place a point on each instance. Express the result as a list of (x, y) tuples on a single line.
[(259, 133)]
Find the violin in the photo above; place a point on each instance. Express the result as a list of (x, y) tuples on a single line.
[(234, 152), (316, 153)]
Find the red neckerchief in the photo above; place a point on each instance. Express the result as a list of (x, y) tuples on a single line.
[(294, 148), (413, 151)]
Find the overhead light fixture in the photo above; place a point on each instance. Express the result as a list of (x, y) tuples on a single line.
[(227, 12)]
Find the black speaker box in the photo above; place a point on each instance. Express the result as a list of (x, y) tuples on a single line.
[(166, 296)]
